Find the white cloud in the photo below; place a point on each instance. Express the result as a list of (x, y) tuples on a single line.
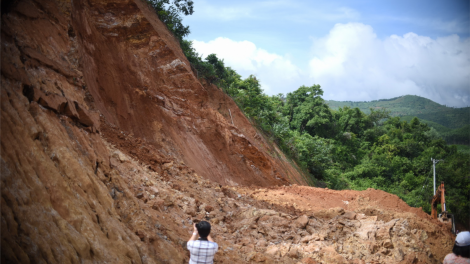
[(276, 73), (352, 64)]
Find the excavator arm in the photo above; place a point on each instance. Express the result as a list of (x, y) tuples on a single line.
[(444, 217), (439, 198)]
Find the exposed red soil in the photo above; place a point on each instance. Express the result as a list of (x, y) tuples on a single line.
[(315, 199), (321, 202), (111, 148), (143, 85)]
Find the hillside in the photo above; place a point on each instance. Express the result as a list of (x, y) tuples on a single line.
[(459, 136), (451, 123), (111, 148), (412, 105)]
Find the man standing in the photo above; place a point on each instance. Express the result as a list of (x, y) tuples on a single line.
[(202, 251)]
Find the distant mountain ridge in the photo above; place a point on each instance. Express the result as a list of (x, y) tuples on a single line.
[(453, 124), (412, 105)]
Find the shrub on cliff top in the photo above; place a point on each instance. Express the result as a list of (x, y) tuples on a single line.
[(170, 15)]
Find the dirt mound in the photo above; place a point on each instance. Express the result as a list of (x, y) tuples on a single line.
[(111, 147), (315, 199), (253, 225), (375, 207)]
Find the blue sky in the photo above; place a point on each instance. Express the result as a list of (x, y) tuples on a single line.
[(356, 50)]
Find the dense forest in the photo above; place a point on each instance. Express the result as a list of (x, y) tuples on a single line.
[(412, 105), (343, 148), (452, 124)]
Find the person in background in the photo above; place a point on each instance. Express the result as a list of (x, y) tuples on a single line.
[(461, 251), (202, 251)]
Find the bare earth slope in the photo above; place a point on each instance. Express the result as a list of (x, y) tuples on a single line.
[(110, 147)]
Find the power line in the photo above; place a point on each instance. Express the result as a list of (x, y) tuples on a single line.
[(424, 185)]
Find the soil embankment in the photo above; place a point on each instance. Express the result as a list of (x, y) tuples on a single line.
[(110, 147)]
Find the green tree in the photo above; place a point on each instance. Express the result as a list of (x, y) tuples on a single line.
[(307, 111), (312, 152), (170, 15)]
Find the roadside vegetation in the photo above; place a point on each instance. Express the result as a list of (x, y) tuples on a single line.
[(344, 147)]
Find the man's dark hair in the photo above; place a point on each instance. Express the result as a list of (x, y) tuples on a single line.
[(461, 251), (203, 228)]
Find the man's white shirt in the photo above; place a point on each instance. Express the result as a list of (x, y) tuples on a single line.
[(202, 251)]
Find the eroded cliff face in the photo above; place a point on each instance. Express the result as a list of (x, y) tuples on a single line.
[(110, 147), (79, 75), (143, 85)]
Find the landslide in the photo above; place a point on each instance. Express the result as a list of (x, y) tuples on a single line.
[(111, 148)]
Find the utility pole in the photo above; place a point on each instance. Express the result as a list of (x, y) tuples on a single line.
[(434, 162)]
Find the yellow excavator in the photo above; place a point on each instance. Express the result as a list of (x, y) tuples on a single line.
[(444, 217)]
